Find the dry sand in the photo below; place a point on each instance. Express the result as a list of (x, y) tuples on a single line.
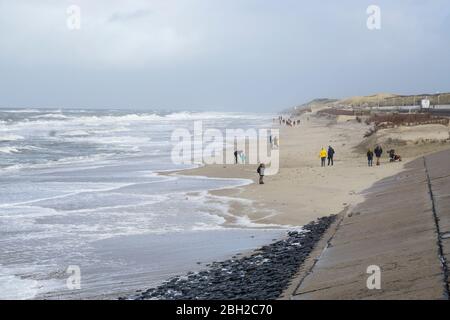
[(302, 190), (402, 228)]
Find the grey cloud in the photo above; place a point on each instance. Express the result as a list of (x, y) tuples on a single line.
[(221, 55)]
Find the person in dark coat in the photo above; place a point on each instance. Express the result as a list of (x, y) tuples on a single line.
[(330, 155), (369, 157), (260, 171), (378, 152)]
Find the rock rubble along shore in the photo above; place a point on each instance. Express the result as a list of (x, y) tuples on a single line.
[(262, 275)]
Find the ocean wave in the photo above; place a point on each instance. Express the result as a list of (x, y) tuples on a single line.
[(134, 117), (20, 110), (117, 140), (75, 133), (50, 115), (11, 137), (18, 149), (90, 159), (9, 150), (15, 287), (182, 115)]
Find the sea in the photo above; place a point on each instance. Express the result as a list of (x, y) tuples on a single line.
[(88, 211)]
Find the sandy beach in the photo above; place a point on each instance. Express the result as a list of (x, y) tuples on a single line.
[(302, 190), (330, 260), (406, 241)]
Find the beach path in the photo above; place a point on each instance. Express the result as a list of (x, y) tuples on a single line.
[(403, 227)]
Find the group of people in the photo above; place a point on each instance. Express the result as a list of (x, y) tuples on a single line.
[(239, 154), (288, 122), (326, 154), (393, 156), (378, 151), (274, 142)]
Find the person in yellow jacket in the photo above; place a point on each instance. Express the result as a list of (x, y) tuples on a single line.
[(323, 156)]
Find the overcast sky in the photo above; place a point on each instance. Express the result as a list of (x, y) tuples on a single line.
[(237, 55)]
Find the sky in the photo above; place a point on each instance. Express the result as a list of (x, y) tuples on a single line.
[(219, 55)]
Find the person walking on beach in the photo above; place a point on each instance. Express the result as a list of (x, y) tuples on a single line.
[(378, 151), (242, 156), (235, 157), (323, 156), (330, 155), (260, 171), (369, 158), (275, 141)]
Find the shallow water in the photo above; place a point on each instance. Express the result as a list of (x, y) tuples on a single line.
[(82, 188)]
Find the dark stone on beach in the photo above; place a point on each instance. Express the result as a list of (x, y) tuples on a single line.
[(264, 275)]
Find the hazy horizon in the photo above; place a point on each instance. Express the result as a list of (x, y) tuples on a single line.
[(217, 56)]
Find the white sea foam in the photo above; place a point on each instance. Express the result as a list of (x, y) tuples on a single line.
[(245, 222), (20, 110), (116, 140), (9, 150), (18, 149), (14, 287), (10, 137), (50, 115), (85, 182), (86, 160), (75, 133)]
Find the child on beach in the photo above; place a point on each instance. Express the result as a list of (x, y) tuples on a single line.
[(322, 156), (369, 157), (260, 171)]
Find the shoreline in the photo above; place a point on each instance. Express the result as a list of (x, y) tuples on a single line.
[(301, 191), (262, 274), (224, 277)]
